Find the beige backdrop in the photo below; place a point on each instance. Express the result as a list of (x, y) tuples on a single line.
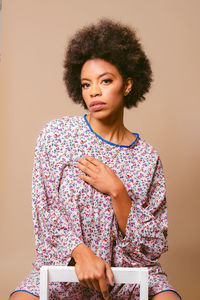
[(34, 37)]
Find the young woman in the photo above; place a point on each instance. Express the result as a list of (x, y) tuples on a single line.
[(99, 197)]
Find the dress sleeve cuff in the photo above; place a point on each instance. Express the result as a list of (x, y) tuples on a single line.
[(73, 242), (143, 237)]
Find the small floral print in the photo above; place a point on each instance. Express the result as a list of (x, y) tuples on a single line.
[(68, 211)]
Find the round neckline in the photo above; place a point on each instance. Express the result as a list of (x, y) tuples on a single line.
[(108, 142)]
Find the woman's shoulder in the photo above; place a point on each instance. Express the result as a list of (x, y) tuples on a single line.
[(62, 124), (59, 128), (146, 149)]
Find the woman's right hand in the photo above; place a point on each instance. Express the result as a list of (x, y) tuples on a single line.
[(92, 271)]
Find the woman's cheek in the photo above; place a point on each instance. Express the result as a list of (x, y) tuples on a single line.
[(117, 91), (85, 97)]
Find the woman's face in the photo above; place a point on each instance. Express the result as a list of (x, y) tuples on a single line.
[(102, 87)]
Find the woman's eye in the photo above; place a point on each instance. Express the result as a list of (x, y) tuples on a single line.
[(85, 85), (107, 80)]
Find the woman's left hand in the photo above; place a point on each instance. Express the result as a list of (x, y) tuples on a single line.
[(99, 175)]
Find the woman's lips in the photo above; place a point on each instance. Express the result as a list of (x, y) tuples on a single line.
[(96, 105)]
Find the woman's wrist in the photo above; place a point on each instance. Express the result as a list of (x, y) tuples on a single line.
[(81, 251), (121, 205), (117, 191)]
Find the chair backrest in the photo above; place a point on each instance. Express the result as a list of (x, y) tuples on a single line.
[(68, 274)]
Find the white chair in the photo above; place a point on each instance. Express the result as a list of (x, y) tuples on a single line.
[(68, 274)]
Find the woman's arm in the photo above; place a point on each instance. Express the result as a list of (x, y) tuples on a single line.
[(146, 229), (121, 205), (142, 230), (91, 270), (55, 236), (106, 181)]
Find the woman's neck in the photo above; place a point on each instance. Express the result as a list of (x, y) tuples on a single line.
[(111, 129)]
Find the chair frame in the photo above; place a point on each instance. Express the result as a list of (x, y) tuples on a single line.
[(68, 274)]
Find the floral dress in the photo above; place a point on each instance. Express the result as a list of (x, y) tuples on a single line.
[(68, 211)]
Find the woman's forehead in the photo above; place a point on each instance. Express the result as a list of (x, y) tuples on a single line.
[(98, 67)]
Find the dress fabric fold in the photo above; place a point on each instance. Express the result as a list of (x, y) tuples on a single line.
[(68, 211)]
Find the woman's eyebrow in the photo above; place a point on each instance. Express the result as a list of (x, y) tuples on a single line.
[(101, 75)]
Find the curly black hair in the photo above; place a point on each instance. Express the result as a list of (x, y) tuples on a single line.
[(116, 44)]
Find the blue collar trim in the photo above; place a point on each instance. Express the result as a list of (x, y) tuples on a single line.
[(125, 146)]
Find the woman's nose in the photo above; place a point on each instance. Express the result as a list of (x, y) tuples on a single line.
[(95, 90)]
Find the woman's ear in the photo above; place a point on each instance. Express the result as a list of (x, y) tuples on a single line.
[(128, 86)]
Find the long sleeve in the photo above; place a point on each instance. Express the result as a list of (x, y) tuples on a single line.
[(55, 236), (146, 231)]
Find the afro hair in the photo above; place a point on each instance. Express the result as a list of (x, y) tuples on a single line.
[(116, 44)]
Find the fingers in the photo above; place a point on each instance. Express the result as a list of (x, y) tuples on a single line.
[(89, 161), (103, 287), (83, 282), (96, 285), (89, 284), (92, 284), (95, 274), (87, 166), (93, 160), (85, 169), (109, 275), (86, 178)]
